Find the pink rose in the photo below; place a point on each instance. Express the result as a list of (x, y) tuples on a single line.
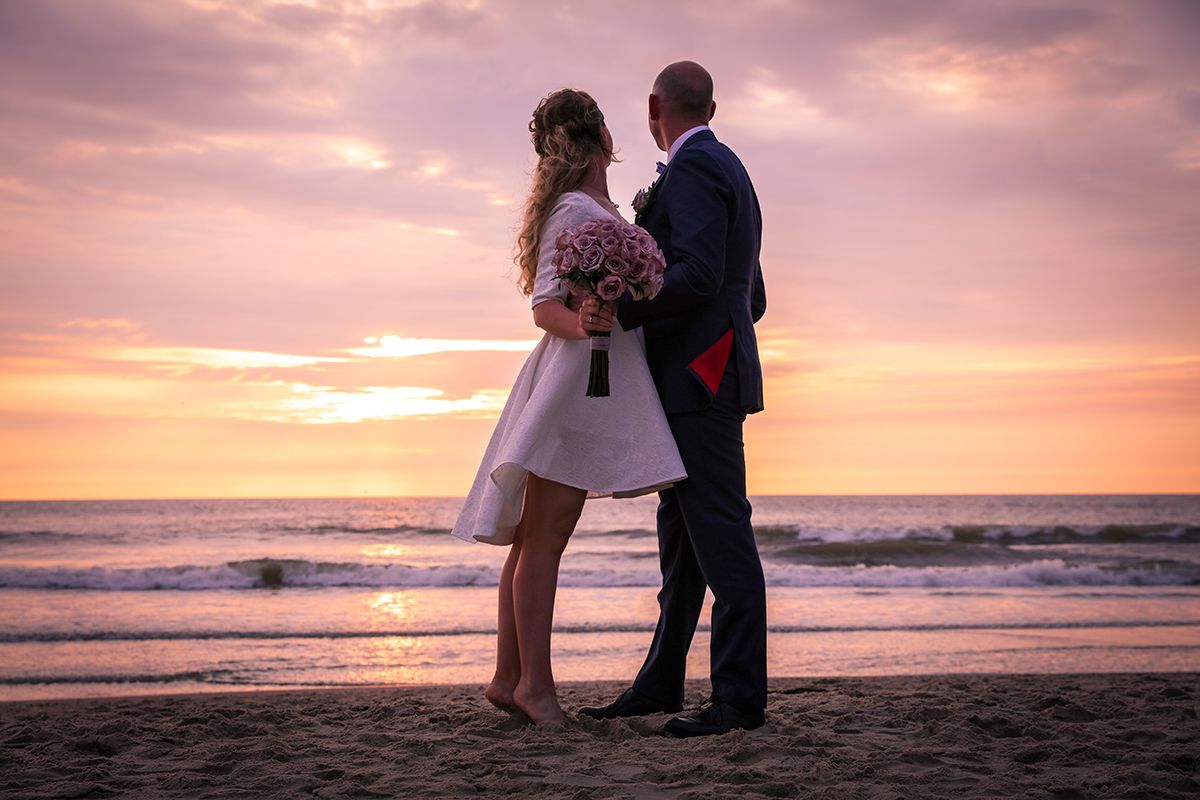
[(609, 244), (584, 241), (563, 239), (591, 260), (638, 268), (611, 287), (630, 250), (569, 260), (645, 287), (657, 262), (615, 265)]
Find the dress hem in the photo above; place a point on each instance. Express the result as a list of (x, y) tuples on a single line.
[(592, 494)]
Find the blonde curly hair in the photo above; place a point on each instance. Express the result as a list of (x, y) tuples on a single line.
[(567, 137)]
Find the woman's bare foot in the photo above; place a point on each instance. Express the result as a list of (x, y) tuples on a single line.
[(501, 696), (541, 707)]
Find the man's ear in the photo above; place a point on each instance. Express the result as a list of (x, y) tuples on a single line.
[(653, 105), (712, 110)]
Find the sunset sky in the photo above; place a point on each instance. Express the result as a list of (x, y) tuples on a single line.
[(259, 248)]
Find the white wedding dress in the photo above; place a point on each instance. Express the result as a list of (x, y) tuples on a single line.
[(615, 446)]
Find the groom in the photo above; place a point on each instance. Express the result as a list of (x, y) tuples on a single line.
[(702, 352)]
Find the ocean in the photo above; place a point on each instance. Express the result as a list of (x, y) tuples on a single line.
[(105, 598)]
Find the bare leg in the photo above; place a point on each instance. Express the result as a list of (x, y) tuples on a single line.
[(508, 655), (552, 509)]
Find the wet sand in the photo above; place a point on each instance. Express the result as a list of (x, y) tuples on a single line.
[(996, 736)]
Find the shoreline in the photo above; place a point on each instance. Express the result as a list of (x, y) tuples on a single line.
[(936, 736), (696, 687)]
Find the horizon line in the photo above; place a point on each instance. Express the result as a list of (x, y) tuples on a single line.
[(365, 496)]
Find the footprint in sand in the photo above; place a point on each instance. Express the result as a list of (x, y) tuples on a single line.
[(997, 727)]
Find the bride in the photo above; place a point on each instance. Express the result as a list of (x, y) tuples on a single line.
[(553, 447)]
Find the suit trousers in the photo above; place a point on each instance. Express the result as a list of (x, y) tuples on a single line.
[(705, 540)]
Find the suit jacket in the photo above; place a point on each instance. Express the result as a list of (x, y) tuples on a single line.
[(705, 216)]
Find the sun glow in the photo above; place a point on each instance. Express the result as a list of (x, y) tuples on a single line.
[(386, 551), (324, 405), (217, 358), (779, 110), (392, 346), (361, 155), (391, 604), (947, 88)]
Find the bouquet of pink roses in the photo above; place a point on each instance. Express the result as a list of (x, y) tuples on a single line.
[(605, 258)]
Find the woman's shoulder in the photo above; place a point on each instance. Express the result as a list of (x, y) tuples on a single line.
[(572, 208), (574, 199)]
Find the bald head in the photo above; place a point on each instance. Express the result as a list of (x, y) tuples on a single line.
[(685, 91)]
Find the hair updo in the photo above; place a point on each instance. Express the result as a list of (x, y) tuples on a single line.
[(565, 124), (566, 135)]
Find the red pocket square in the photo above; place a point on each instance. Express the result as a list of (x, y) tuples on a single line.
[(710, 365)]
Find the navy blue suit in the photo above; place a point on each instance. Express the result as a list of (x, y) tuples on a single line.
[(703, 355)]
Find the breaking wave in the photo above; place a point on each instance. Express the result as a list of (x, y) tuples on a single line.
[(291, 573)]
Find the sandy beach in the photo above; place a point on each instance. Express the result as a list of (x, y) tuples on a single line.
[(1031, 736)]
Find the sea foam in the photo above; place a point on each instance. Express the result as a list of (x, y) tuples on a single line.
[(288, 573)]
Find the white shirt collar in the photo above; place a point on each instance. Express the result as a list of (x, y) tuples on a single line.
[(678, 143)]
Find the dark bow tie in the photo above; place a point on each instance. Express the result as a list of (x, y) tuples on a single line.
[(661, 167)]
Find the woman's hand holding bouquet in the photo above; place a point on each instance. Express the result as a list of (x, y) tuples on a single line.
[(606, 258)]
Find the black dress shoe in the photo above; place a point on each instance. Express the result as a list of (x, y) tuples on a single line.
[(713, 718), (631, 703)]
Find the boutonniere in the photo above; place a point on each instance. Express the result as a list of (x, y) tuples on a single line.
[(645, 197)]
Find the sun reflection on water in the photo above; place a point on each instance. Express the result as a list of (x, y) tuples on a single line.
[(387, 550)]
